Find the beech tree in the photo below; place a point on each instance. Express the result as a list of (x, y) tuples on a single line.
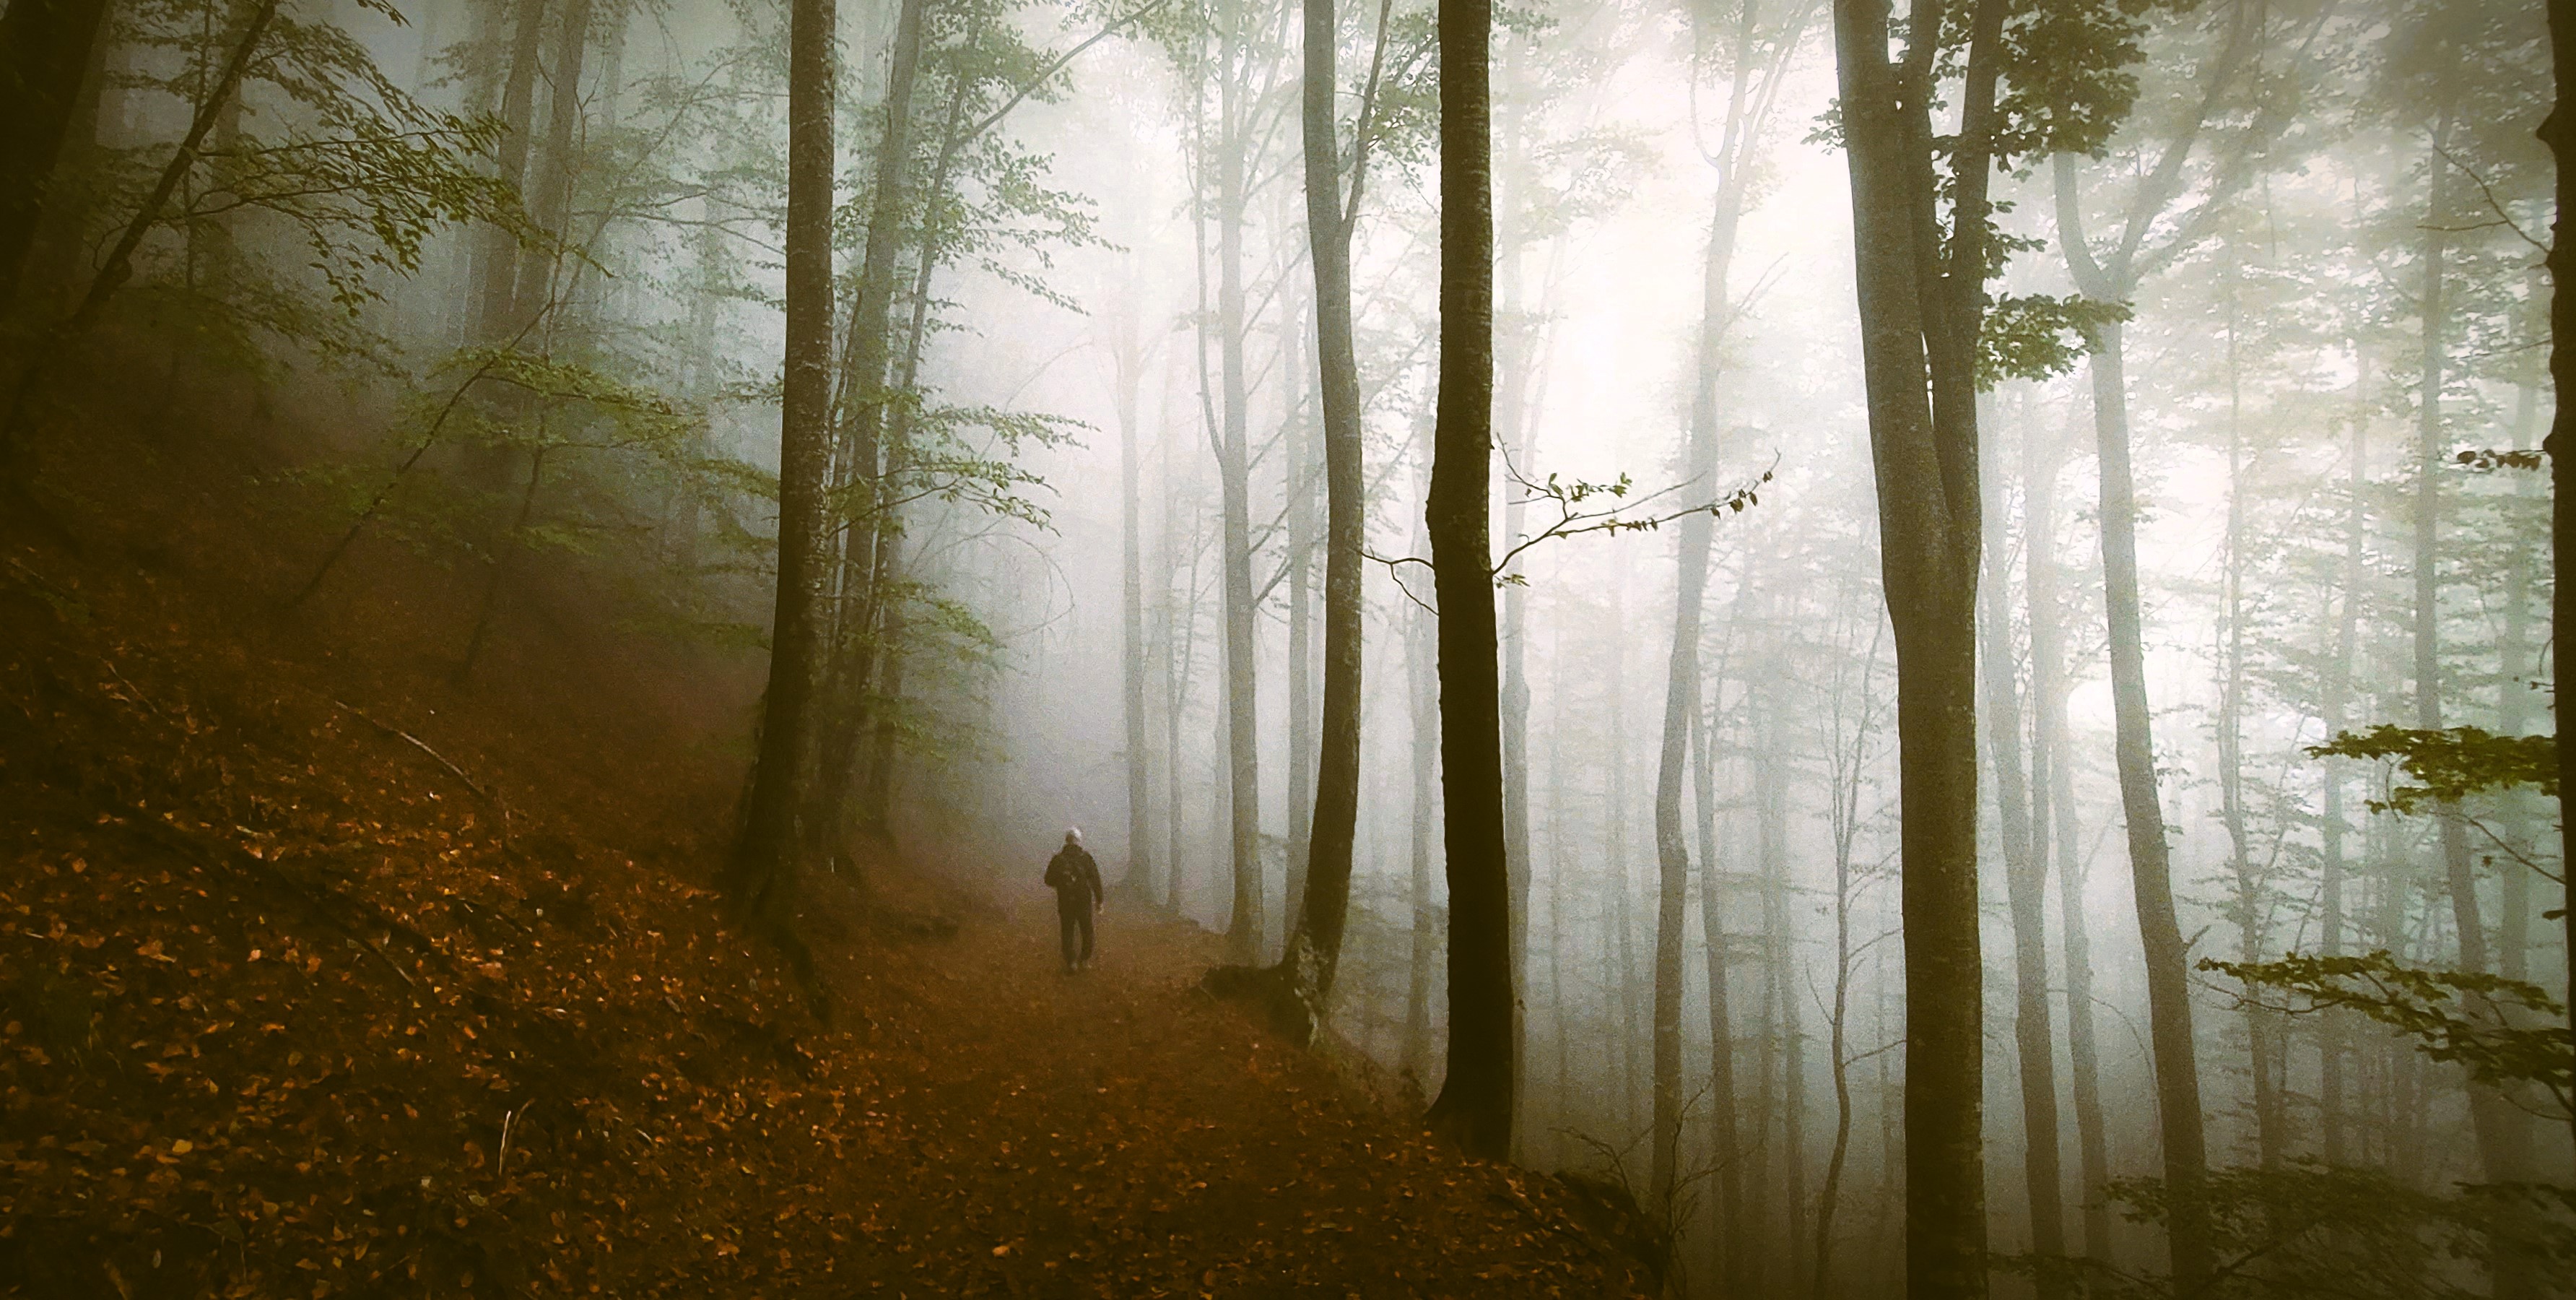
[(1757, 58), (1304, 977), (44, 55), (1927, 340), (763, 869), (2114, 279), (1475, 1104)]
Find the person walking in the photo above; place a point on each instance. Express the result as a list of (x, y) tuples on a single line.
[(1075, 878)]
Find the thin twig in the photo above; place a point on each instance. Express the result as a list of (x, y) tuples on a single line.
[(492, 797), (134, 690), (2489, 193), (1395, 562), (427, 440), (501, 1163), (1048, 73)]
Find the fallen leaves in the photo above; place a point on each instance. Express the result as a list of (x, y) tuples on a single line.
[(673, 1126)]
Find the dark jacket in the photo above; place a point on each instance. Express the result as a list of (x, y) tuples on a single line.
[(1074, 877)]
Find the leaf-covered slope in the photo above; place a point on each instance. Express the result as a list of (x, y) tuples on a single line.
[(321, 982), (287, 1011)]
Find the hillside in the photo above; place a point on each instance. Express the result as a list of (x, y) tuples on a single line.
[(327, 975)]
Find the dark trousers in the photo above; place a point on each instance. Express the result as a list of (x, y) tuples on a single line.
[(1075, 918)]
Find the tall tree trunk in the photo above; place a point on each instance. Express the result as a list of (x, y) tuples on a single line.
[(1781, 1102), (763, 873), (2337, 702), (2559, 133), (2115, 279), (876, 804), (2054, 829), (1672, 852), (497, 557), (1821, 1268), (1625, 1029), (2026, 890), (50, 261), (1560, 1010), (1178, 613), (1423, 689), (47, 48), (1843, 820), (1682, 688), (1300, 483), (1476, 1099), (2262, 1026), (1134, 652), (1245, 926), (1520, 330), (1793, 1086), (2168, 954), (1314, 947), (858, 656), (496, 260), (1726, 1146), (2521, 669), (1918, 344), (551, 192), (2502, 1130)]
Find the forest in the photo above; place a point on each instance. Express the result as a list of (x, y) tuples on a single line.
[(1986, 730)]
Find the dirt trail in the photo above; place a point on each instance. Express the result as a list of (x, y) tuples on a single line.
[(284, 1010), (1118, 1132)]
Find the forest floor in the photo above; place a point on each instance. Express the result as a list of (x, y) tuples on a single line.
[(323, 973)]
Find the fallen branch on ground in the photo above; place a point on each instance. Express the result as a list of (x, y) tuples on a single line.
[(489, 796)]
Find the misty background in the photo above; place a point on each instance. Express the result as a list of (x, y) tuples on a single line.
[(2323, 221)]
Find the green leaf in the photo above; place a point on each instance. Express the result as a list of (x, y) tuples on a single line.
[(2453, 763)]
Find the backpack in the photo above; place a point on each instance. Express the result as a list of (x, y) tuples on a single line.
[(1065, 871)]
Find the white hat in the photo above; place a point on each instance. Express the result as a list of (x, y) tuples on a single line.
[(1073, 835)]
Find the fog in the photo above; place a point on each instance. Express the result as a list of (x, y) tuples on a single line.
[(2303, 208)]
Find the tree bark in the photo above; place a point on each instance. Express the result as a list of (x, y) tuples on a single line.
[(2168, 955), (2053, 828), (1314, 946), (1247, 921), (2115, 279), (496, 261), (1846, 765), (1300, 482), (552, 196), (763, 872), (1726, 1146), (1175, 651), (1682, 670), (2502, 1130), (876, 802), (47, 49), (2262, 1026), (2520, 670), (1628, 1032), (1792, 1024), (2337, 707), (1919, 318), (1139, 883), (2559, 133), (856, 659), (2026, 891), (117, 266), (1422, 684), (1475, 1104)]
